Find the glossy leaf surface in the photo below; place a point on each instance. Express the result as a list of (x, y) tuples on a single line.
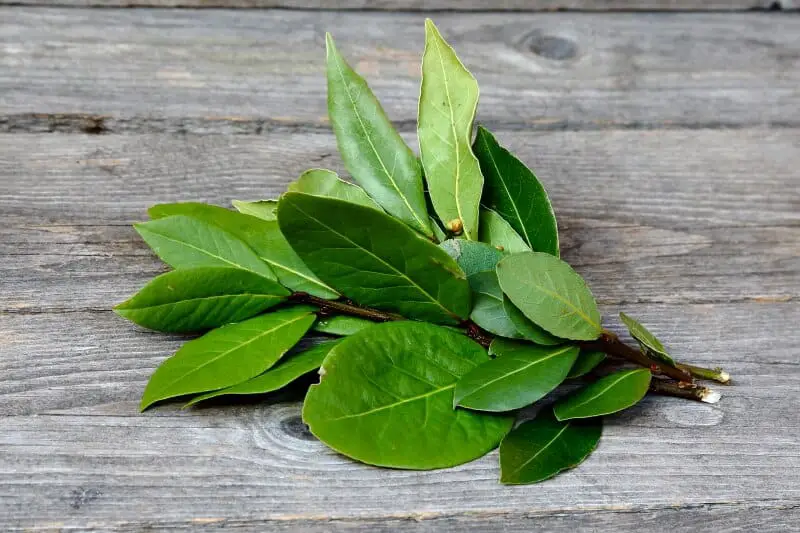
[(541, 448), (372, 150), (514, 192), (447, 103), (342, 325), (196, 299), (607, 395), (550, 294), (263, 209), (374, 259), (386, 398), (228, 355), (527, 329), (321, 182), (521, 374), (585, 363), (647, 341), (496, 231)]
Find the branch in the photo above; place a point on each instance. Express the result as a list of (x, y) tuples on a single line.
[(343, 307), (609, 343), (714, 374), (684, 390)]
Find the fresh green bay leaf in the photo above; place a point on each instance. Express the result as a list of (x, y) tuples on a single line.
[(374, 259), (527, 329), (184, 242), (228, 355), (386, 398), (197, 299), (287, 370), (541, 448), (496, 231), (263, 209), (372, 150), (447, 103), (585, 363), (438, 232), (647, 341), (341, 325), (322, 182), (607, 395), (521, 374), (551, 294), (514, 192)]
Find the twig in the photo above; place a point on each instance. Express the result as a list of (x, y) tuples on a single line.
[(714, 374), (609, 343), (343, 307), (684, 390)]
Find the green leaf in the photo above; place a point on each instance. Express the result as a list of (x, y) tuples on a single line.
[(438, 232), (515, 193), (550, 294), (374, 259), (287, 370), (607, 395), (526, 328), (447, 103), (264, 237), (372, 150), (184, 242), (263, 209), (585, 363), (322, 182), (386, 398), (647, 341), (342, 325), (196, 299), (521, 374), (541, 448), (496, 231), (228, 355)]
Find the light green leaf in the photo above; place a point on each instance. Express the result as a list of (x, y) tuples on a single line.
[(287, 370), (521, 374), (438, 232), (496, 231), (586, 362), (541, 448), (386, 398), (647, 341), (263, 209), (264, 237), (515, 193), (550, 294), (527, 329), (322, 182), (196, 299), (607, 395), (184, 242), (374, 259), (228, 355), (447, 103), (342, 325), (373, 152)]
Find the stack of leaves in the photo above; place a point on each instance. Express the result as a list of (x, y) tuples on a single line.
[(439, 278)]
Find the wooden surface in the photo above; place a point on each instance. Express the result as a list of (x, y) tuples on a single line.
[(670, 144)]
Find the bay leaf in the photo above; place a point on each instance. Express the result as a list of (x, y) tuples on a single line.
[(551, 294), (322, 182), (197, 299), (284, 372), (372, 150), (341, 325), (648, 342), (496, 231), (521, 374), (541, 448), (263, 209), (228, 355), (373, 259), (447, 103), (585, 363), (386, 399), (438, 232), (184, 242), (513, 191), (607, 395), (527, 329)]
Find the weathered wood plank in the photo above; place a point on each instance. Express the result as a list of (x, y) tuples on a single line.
[(228, 70)]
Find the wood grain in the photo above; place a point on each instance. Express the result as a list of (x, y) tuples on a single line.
[(228, 71)]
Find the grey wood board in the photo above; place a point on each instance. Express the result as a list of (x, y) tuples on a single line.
[(229, 70)]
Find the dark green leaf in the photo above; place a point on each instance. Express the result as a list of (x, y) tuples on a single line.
[(263, 209), (321, 182), (374, 259), (585, 363), (550, 294), (447, 103), (386, 398), (521, 374), (341, 325), (287, 370), (373, 152), (515, 193), (543, 447), (649, 343), (184, 242), (496, 231), (607, 395), (526, 328), (228, 355), (196, 299)]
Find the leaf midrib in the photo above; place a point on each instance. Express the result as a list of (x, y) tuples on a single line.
[(200, 298), (543, 448), (575, 309), (395, 404), (573, 408)]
